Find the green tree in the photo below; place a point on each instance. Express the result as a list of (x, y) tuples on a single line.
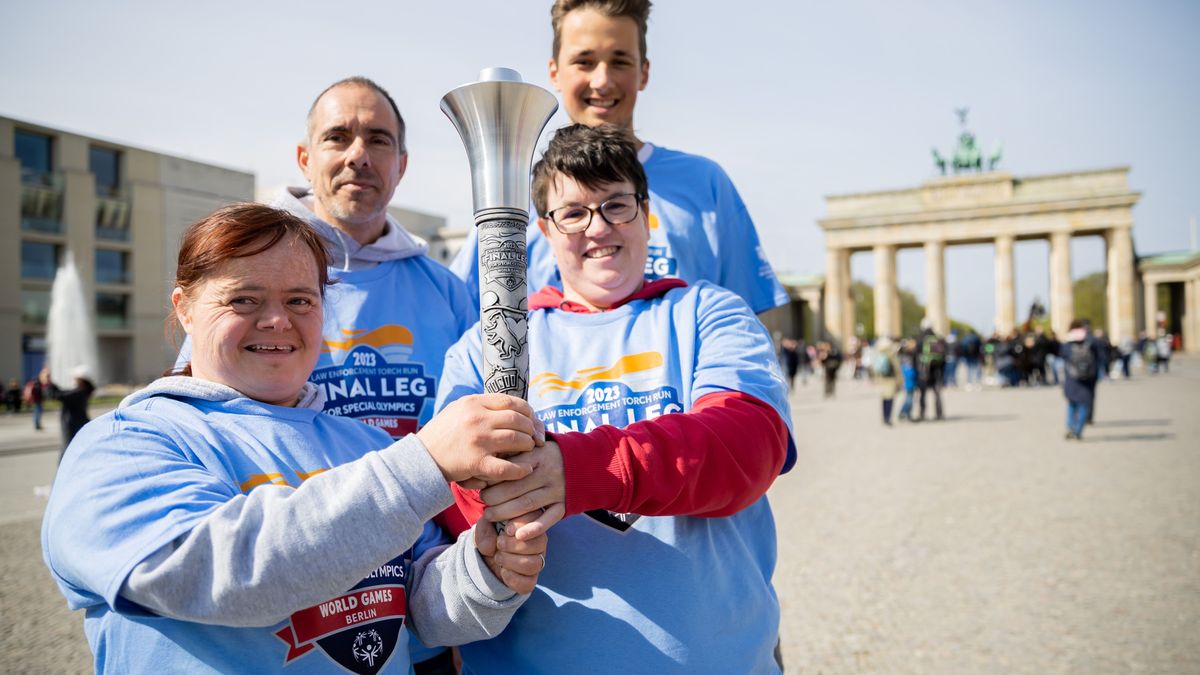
[(911, 311), (864, 308), (1091, 301)]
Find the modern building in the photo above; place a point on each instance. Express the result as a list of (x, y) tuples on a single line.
[(121, 211)]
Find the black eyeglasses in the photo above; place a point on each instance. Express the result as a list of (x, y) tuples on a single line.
[(616, 210)]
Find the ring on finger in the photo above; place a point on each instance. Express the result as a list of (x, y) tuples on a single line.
[(543, 557)]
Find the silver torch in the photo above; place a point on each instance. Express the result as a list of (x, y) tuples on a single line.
[(500, 119)]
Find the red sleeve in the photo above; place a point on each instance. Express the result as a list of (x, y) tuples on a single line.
[(469, 505), (714, 460), (453, 519)]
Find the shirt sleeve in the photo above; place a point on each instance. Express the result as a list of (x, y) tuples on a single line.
[(462, 373), (745, 269), (175, 539), (455, 598), (714, 460)]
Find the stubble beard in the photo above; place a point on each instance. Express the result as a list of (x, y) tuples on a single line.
[(355, 218)]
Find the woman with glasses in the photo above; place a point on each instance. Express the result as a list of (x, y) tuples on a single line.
[(669, 420)]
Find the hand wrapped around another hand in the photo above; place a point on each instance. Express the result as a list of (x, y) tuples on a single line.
[(534, 502), (516, 562), (470, 439)]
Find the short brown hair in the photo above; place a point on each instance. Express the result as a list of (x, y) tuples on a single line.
[(638, 10), (591, 156), (360, 81), (240, 231)]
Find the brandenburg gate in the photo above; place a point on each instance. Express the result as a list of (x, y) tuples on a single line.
[(991, 207)]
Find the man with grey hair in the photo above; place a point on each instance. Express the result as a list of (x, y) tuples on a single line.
[(394, 311)]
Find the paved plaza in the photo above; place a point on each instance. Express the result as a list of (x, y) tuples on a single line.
[(988, 544), (981, 544)]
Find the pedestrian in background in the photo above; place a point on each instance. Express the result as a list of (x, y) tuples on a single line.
[(931, 366), (953, 353), (804, 353), (74, 402), (830, 359), (887, 375), (789, 356), (1162, 352), (1126, 354), (1081, 357), (972, 349), (12, 397), (908, 368), (34, 395)]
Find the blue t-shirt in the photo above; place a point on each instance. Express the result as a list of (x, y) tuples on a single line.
[(700, 230), (386, 333), (623, 591), (148, 473)]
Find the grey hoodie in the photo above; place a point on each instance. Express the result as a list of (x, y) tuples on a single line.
[(345, 253), (244, 563)]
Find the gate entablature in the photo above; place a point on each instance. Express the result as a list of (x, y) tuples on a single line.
[(996, 208)]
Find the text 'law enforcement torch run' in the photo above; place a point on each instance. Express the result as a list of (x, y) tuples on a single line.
[(500, 119)]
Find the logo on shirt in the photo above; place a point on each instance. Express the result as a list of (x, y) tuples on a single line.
[(632, 368), (628, 391), (359, 630), (372, 379), (659, 264)]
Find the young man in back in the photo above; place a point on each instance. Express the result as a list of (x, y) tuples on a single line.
[(700, 229)]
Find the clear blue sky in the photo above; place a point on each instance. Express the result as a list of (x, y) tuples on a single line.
[(796, 100)]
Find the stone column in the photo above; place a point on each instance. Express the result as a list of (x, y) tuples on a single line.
[(1006, 300), (885, 291), (935, 286), (1150, 303), (1062, 296), (897, 311), (836, 260), (850, 304), (813, 330), (1194, 310), (1191, 320), (1121, 283)]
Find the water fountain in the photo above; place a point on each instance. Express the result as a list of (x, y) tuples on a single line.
[(70, 333)]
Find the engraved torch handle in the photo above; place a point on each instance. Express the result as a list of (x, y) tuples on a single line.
[(503, 300)]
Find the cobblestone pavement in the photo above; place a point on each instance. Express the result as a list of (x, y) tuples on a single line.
[(988, 544), (981, 544), (38, 634)]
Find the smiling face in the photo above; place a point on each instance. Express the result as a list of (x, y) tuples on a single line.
[(255, 322), (599, 68), (353, 159), (605, 263)]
